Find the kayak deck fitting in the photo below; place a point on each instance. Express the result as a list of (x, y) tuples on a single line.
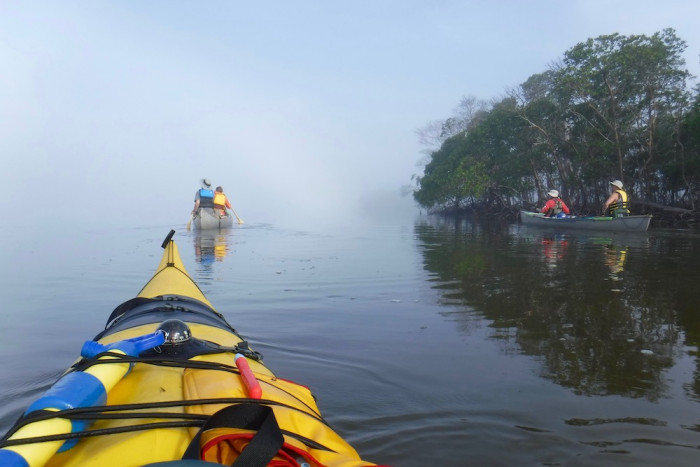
[(170, 379)]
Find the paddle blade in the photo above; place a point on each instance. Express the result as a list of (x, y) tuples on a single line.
[(240, 221), (189, 223)]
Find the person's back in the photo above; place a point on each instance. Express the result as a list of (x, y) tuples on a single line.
[(556, 209), (555, 205), (617, 204), (204, 197), (220, 201)]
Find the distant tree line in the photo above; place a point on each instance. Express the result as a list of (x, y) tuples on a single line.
[(614, 107)]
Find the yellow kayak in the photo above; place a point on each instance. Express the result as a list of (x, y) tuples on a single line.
[(170, 382)]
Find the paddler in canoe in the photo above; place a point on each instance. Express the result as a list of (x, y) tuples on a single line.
[(617, 203), (555, 205), (204, 197)]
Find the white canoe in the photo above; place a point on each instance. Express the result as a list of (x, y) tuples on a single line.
[(208, 219), (616, 224)]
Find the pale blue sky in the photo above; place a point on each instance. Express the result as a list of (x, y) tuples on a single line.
[(295, 107)]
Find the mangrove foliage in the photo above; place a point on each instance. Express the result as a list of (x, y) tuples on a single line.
[(613, 107)]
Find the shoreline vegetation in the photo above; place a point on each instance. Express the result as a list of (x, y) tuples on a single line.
[(613, 107)]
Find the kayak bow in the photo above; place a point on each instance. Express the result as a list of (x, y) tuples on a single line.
[(170, 379)]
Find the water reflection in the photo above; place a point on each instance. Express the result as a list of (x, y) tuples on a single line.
[(554, 249), (211, 246), (604, 314)]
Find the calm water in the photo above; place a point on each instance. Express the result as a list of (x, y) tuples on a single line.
[(426, 343)]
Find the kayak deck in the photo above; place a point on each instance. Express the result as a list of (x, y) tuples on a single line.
[(165, 402)]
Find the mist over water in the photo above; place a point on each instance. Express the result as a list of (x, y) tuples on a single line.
[(112, 112)]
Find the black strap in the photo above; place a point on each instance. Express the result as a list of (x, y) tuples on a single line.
[(265, 443)]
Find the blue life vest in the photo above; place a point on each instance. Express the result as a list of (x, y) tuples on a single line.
[(206, 198)]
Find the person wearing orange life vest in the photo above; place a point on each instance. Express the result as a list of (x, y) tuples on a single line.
[(221, 202), (616, 205), (554, 205)]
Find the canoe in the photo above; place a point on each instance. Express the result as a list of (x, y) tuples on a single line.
[(615, 224), (169, 379), (208, 219)]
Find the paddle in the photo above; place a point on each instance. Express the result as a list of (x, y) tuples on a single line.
[(240, 221), (189, 222)]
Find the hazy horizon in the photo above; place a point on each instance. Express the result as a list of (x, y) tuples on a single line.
[(298, 109)]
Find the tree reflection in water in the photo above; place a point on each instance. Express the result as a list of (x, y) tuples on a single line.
[(606, 314)]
